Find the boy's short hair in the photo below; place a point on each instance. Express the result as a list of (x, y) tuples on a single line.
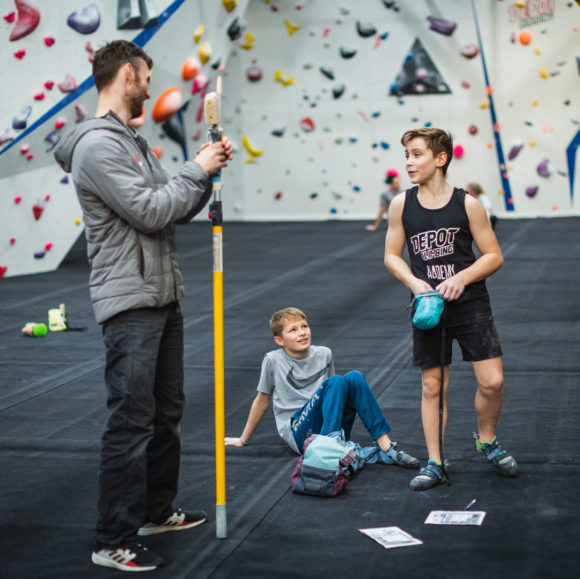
[(476, 188), (279, 319), (111, 57), (438, 140), (390, 179)]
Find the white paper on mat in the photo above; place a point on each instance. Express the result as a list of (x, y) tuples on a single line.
[(391, 537), (455, 518)]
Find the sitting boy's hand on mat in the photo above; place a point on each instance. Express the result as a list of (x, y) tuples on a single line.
[(234, 441)]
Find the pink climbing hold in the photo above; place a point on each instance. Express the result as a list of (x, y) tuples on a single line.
[(49, 85), (17, 199), (10, 17), (48, 245), (25, 148), (200, 84), (39, 96), (69, 84), (49, 40), (60, 123), (28, 19), (20, 54), (458, 151), (470, 51)]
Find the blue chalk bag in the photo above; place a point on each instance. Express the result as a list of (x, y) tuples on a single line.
[(428, 310)]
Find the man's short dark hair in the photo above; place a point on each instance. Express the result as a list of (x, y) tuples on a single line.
[(111, 57)]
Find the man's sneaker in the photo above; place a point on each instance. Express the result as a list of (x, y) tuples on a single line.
[(429, 476), (398, 457), (504, 463), (178, 521), (135, 558)]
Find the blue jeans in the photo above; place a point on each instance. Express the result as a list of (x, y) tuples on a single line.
[(140, 446), (334, 407)]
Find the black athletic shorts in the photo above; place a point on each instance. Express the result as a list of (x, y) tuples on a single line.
[(473, 328)]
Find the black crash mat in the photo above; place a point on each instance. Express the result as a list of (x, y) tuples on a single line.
[(52, 408)]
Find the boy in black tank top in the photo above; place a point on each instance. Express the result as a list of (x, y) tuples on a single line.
[(439, 224)]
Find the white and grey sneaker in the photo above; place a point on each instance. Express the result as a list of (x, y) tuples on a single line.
[(133, 559), (178, 521)]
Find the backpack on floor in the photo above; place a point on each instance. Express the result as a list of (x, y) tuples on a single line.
[(325, 467)]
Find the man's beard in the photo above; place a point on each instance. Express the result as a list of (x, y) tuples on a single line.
[(136, 107)]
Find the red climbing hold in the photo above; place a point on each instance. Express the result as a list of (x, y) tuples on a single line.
[(37, 209), (307, 124), (28, 19), (20, 54)]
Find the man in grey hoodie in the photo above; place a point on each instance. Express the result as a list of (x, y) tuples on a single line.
[(130, 207)]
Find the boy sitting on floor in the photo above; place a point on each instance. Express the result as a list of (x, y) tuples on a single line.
[(310, 399)]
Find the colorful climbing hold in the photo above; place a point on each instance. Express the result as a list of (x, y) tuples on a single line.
[(168, 103), (347, 53), (458, 151), (278, 196), (254, 72), (49, 41), (20, 54), (17, 199), (365, 29), (252, 150), (291, 27), (81, 113), (544, 168), (525, 37), (200, 84), (205, 52), (307, 124), (20, 119), (470, 51), (28, 19), (190, 68), (69, 84), (532, 191), (158, 152), (48, 245), (248, 42), (473, 130), (338, 90), (37, 210), (235, 29), (445, 27), (3, 270), (327, 72), (38, 96), (544, 72), (230, 5), (49, 85), (198, 33), (25, 148), (515, 150), (39, 254), (282, 79), (86, 21)]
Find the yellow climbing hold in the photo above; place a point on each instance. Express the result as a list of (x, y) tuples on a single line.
[(535, 103), (205, 52), (532, 142), (292, 28), (198, 33), (283, 80), (230, 5), (520, 3), (248, 43), (484, 105), (252, 150), (544, 72), (537, 50)]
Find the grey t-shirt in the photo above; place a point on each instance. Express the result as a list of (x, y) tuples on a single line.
[(293, 381), (388, 195)]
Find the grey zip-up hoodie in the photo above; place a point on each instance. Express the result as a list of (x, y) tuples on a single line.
[(130, 205)]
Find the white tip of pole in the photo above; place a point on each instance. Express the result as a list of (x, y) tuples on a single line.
[(221, 526)]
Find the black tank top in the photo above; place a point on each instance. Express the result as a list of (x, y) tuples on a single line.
[(440, 243)]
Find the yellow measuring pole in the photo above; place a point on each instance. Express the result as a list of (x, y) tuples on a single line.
[(218, 329), (212, 118)]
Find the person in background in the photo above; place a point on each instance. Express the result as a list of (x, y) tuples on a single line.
[(476, 190), (394, 188)]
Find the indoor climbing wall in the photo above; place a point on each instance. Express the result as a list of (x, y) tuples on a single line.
[(327, 88), (316, 97), (47, 88)]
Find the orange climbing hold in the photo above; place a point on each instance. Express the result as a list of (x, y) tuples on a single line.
[(190, 68), (525, 37), (167, 104)]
